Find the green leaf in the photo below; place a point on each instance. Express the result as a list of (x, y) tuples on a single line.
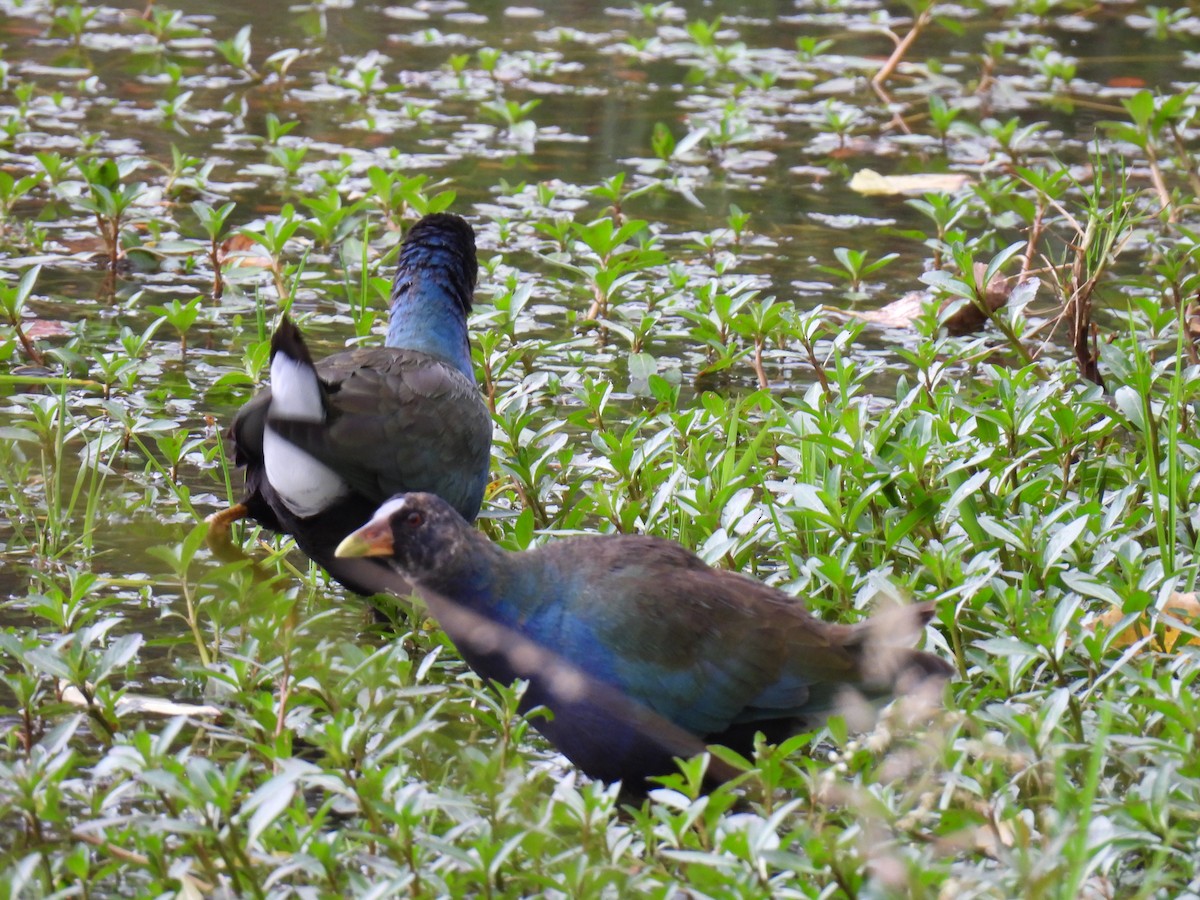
[(50, 663), (1063, 538), (12, 433), (964, 490), (118, 653), (642, 366), (271, 798), (1140, 108)]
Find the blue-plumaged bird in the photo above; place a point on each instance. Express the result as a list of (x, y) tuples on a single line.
[(640, 650), (327, 443)]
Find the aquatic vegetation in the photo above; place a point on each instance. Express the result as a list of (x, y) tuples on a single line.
[(669, 221)]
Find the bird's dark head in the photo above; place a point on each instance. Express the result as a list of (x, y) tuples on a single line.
[(421, 534), (444, 244)]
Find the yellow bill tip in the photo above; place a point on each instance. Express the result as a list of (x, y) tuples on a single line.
[(370, 540)]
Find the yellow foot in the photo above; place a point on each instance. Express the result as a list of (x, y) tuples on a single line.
[(227, 517), (219, 522), (224, 549)]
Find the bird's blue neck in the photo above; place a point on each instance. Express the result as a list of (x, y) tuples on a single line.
[(493, 582), (429, 311), (526, 594)]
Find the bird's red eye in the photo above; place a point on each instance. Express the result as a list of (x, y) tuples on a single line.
[(414, 519)]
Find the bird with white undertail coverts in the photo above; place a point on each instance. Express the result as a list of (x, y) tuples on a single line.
[(330, 441)]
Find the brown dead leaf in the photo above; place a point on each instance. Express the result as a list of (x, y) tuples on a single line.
[(1097, 887), (897, 314), (634, 75), (856, 147), (91, 243), (44, 328), (1181, 610), (235, 251), (969, 317), (1192, 318), (871, 183), (993, 839)]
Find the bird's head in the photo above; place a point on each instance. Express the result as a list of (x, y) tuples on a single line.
[(420, 534), (443, 243)]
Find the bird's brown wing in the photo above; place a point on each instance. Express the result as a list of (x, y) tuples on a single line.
[(697, 645)]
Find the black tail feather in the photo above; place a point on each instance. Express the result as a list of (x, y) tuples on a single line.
[(289, 340)]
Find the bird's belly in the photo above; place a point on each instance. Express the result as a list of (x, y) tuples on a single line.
[(305, 485)]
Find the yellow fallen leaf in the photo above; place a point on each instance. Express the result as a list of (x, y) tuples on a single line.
[(871, 183), (138, 704), (1181, 613)]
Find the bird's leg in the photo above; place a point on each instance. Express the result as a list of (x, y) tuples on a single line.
[(219, 522), (225, 550)]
